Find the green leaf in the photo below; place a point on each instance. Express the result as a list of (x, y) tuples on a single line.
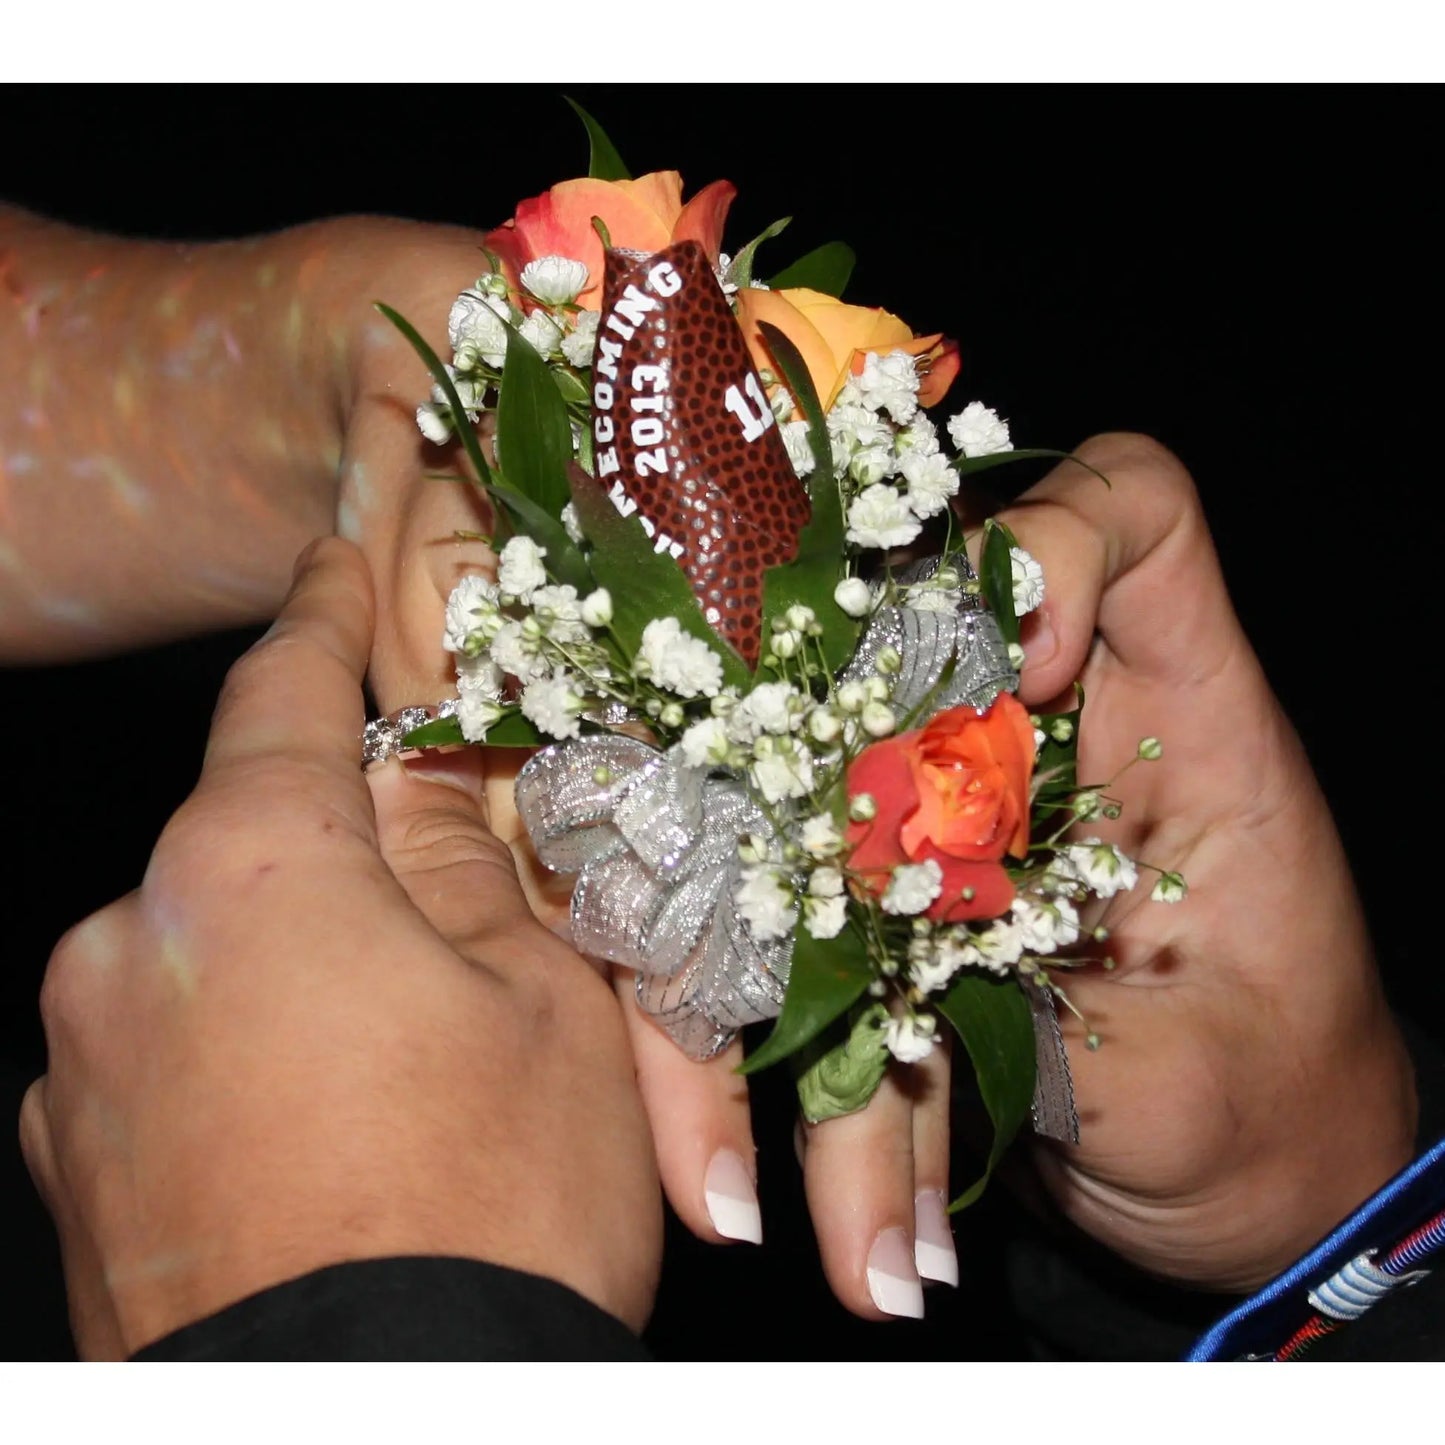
[(511, 731), (534, 437), (968, 466), (603, 164), (828, 269), (828, 977), (1058, 762), (740, 273), (841, 1080), (812, 576), (439, 375), (992, 1018), (644, 583), (996, 576)]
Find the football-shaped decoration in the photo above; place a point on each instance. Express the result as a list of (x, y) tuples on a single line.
[(684, 438)]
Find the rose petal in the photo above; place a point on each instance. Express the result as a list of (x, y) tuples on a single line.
[(776, 308), (703, 217), (883, 772), (993, 889)]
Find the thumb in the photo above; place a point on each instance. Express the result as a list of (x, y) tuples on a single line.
[(432, 826)]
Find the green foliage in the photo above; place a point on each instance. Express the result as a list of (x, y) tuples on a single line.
[(828, 268), (741, 272), (970, 466), (996, 577), (828, 977), (841, 1079), (811, 577), (644, 583), (992, 1018), (510, 731), (534, 437), (603, 163)]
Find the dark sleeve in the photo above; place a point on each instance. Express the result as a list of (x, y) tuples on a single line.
[(406, 1309)]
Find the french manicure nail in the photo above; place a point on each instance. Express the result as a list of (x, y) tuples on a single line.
[(732, 1201), (933, 1250), (892, 1276)]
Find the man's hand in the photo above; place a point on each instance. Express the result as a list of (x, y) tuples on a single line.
[(328, 1027), (1251, 1088)]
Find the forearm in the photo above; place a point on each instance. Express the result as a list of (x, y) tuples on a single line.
[(171, 418)]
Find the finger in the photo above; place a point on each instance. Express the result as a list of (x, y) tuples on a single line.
[(701, 1128), (933, 1248), (858, 1172), (1132, 559), (93, 1320), (296, 696), (435, 840)]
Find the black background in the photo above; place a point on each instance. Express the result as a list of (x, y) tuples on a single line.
[(1247, 274)]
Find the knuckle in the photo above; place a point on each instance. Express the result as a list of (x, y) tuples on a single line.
[(1136, 454)]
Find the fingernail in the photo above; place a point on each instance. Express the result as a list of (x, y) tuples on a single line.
[(304, 559), (460, 770), (933, 1250), (732, 1201), (892, 1276), (1040, 642)]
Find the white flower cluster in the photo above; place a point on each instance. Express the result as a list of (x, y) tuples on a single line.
[(482, 319), (886, 452)]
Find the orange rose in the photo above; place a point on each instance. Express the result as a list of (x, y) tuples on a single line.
[(833, 338), (955, 791), (642, 215)]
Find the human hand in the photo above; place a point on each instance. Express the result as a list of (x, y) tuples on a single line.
[(1251, 1087), (327, 1027)]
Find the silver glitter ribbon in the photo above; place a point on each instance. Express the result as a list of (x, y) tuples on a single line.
[(654, 842)]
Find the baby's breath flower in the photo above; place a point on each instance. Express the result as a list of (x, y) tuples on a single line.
[(554, 280), (1016, 656), (518, 654), (1102, 867), (765, 902), (571, 525), (1171, 888), (578, 345), (553, 704), (477, 321), (824, 725), (541, 333), (852, 697), (1151, 749), (800, 447), (907, 1038), (477, 714), (779, 775), (979, 431), (912, 887), (519, 569), (878, 720), (931, 482), (677, 661), (871, 465), (819, 836), (1000, 944), (862, 808), (705, 743), (771, 707), (472, 599), (825, 917), (1045, 925), (890, 383), (434, 421)]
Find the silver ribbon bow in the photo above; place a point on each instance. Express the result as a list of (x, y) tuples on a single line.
[(654, 843)]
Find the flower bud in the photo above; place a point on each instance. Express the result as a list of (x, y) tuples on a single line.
[(862, 808), (889, 661), (1151, 749), (785, 645), (1016, 656), (1061, 729), (852, 595), (852, 697), (672, 715), (876, 689), (824, 725), (602, 776), (800, 618), (596, 608), (878, 720), (1086, 805)]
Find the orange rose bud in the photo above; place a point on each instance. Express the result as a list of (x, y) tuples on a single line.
[(647, 215), (955, 791)]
